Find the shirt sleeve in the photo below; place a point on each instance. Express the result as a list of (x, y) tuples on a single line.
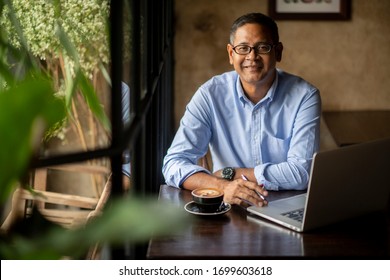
[(294, 172), (190, 143)]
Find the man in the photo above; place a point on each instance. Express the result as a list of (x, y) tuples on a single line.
[(261, 124)]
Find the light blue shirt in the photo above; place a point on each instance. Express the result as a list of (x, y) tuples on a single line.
[(277, 136), (126, 166)]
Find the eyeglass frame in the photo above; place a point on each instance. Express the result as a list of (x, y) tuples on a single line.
[(255, 49)]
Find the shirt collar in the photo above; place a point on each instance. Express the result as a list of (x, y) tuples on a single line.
[(268, 97)]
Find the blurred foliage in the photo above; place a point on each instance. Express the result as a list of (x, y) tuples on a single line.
[(126, 220), (29, 108)]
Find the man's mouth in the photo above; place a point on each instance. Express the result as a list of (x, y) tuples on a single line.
[(252, 67)]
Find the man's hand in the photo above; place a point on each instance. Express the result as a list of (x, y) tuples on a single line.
[(244, 189), (238, 191), (244, 193)]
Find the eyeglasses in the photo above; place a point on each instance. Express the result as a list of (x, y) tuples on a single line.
[(259, 49)]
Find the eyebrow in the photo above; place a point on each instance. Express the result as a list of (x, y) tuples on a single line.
[(257, 43)]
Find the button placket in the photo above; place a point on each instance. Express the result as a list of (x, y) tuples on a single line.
[(255, 135)]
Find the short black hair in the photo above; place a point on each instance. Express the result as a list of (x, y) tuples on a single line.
[(258, 18)]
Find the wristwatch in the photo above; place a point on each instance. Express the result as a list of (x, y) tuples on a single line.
[(228, 173)]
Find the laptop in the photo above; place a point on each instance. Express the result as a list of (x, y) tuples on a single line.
[(344, 183)]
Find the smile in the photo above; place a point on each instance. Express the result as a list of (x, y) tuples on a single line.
[(252, 67)]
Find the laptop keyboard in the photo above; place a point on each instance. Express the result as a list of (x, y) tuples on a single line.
[(296, 215)]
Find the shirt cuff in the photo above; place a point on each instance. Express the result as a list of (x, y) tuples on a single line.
[(192, 172), (261, 180)]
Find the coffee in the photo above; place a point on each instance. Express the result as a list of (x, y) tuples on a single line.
[(207, 192), (208, 199)]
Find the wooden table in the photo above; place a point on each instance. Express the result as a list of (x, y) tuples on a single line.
[(239, 234), (352, 127)]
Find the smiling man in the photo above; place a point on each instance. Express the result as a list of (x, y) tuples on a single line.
[(260, 123)]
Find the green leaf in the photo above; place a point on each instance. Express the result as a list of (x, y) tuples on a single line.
[(93, 102), (67, 45), (81, 81), (27, 110), (124, 220)]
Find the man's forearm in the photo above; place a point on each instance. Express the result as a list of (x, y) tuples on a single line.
[(247, 172), (202, 179)]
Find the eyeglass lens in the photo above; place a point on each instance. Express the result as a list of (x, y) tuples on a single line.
[(260, 49)]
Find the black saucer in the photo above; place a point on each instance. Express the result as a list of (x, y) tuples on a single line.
[(192, 208)]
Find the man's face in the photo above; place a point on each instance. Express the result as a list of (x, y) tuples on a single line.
[(254, 68)]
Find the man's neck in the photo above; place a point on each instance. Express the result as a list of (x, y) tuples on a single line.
[(256, 92)]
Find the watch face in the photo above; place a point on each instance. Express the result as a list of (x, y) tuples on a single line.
[(228, 173)]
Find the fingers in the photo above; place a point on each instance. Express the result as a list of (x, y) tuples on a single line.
[(255, 187), (245, 203), (260, 191), (254, 200), (245, 193)]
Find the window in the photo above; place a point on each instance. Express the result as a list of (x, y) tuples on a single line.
[(141, 55)]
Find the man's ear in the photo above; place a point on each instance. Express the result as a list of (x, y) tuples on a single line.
[(279, 51), (229, 49)]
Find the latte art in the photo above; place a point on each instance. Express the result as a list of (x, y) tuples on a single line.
[(208, 192), (208, 199)]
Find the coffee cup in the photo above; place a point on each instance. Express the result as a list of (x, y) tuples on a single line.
[(208, 199)]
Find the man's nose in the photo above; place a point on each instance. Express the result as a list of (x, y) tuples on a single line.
[(252, 54)]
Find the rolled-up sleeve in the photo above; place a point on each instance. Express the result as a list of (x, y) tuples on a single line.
[(190, 143)]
